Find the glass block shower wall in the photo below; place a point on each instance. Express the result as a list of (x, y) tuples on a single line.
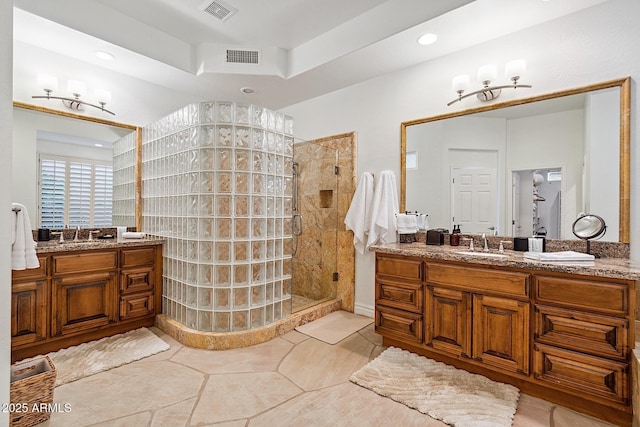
[(124, 187), (217, 185)]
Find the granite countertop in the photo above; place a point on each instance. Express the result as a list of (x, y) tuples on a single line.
[(53, 246), (620, 268)]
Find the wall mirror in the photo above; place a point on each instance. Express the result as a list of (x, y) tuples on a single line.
[(523, 167), (39, 130)]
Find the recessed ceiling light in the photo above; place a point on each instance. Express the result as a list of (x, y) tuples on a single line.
[(98, 145), (427, 39), (247, 90), (105, 56)]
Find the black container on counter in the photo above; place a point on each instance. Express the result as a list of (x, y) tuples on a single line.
[(436, 236), (44, 234)]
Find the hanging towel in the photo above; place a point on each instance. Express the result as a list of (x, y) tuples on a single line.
[(23, 248), (407, 224), (358, 216), (423, 222), (383, 209)]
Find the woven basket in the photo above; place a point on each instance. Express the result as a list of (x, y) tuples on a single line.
[(32, 383)]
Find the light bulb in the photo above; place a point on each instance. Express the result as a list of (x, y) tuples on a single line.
[(487, 73), (460, 83), (103, 96), (515, 69), (47, 82), (77, 88)]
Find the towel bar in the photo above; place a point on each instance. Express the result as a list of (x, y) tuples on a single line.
[(16, 210)]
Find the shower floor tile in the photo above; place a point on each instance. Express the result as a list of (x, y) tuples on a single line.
[(294, 380)]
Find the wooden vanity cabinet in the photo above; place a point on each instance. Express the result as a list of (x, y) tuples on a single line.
[(29, 301), (79, 296), (563, 337)]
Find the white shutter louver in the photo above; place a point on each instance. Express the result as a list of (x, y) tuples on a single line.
[(75, 192)]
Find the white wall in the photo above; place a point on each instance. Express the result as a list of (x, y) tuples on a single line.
[(6, 110), (593, 45)]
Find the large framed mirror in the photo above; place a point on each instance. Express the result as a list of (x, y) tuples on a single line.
[(523, 167), (44, 133)]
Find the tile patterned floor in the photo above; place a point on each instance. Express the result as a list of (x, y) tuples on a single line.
[(293, 380)]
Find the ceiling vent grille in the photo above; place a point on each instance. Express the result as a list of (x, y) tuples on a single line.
[(235, 56), (218, 9)]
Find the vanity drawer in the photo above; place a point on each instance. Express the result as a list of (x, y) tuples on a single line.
[(400, 325), (82, 262), (472, 279), (405, 296), (31, 273), (582, 374), (137, 257), (606, 297), (590, 333), (401, 267), (137, 305)]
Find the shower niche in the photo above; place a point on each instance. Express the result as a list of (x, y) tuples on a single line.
[(217, 185)]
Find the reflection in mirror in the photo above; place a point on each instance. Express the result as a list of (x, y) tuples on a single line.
[(523, 167), (63, 166)]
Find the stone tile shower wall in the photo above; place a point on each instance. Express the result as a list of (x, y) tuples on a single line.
[(217, 185), (124, 187)]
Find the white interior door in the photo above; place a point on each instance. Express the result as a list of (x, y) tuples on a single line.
[(474, 193)]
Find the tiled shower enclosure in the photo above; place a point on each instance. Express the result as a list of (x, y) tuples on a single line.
[(217, 185)]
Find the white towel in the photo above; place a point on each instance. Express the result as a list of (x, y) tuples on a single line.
[(358, 218), (133, 235), (383, 209), (23, 248), (423, 222), (407, 224), (570, 256)]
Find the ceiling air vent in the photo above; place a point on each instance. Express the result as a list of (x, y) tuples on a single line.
[(235, 56), (218, 9)]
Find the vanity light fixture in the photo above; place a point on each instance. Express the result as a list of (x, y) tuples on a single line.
[(50, 84), (513, 70)]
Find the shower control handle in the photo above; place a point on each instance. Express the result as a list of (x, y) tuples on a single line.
[(296, 225)]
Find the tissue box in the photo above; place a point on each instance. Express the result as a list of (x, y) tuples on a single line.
[(436, 237)]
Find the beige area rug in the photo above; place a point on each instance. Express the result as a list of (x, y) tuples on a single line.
[(334, 327), (443, 392), (74, 363)]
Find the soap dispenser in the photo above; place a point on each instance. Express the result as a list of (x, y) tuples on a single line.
[(454, 240)]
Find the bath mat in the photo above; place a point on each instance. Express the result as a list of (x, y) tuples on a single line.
[(334, 327), (443, 392), (74, 363)]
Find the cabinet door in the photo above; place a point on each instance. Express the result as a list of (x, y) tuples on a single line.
[(501, 333), (136, 305), (81, 302), (399, 325), (29, 312), (448, 321)]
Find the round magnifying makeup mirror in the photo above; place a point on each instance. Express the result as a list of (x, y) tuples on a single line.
[(589, 226)]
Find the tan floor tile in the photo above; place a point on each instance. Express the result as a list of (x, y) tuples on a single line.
[(370, 334), (532, 412), (343, 405), (262, 357), (126, 390), (231, 397), (174, 415), (377, 350), (295, 337), (313, 364), (563, 417), (141, 419)]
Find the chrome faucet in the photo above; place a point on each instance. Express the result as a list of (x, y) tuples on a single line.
[(75, 238), (470, 239), (486, 244)]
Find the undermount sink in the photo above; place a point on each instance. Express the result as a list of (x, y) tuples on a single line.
[(482, 254)]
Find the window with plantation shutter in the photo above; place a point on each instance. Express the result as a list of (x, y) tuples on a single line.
[(74, 192)]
